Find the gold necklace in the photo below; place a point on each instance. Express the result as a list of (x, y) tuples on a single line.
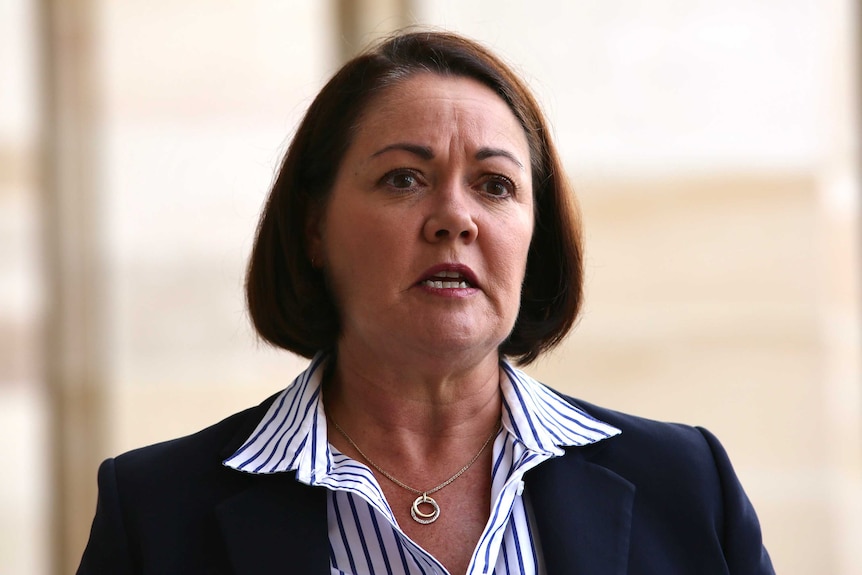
[(418, 515)]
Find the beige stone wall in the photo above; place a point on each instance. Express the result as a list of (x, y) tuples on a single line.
[(713, 149), (24, 484), (705, 308)]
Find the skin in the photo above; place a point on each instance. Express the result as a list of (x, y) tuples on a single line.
[(437, 178)]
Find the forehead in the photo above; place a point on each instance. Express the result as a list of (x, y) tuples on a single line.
[(427, 103)]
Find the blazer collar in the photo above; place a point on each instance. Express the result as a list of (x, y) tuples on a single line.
[(583, 514), (277, 524)]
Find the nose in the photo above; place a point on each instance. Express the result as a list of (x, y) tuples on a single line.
[(450, 217)]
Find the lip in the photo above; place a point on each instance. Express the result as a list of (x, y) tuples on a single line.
[(461, 269)]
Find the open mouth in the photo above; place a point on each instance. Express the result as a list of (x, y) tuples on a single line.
[(446, 280)]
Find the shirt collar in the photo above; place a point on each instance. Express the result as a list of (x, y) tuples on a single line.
[(292, 434), (543, 420)]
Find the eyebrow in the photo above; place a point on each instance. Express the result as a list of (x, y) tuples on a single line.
[(485, 153), (423, 152), (426, 153)]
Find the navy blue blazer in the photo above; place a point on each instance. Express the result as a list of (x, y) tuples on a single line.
[(659, 499)]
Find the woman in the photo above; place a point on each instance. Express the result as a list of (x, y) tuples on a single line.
[(419, 236)]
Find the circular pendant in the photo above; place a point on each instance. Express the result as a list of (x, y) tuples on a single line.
[(424, 518)]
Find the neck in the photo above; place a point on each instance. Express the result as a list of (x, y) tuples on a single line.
[(432, 398), (402, 413)]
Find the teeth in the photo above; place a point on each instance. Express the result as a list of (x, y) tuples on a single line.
[(444, 285), (441, 280)]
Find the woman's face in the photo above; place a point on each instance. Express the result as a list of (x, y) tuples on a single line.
[(425, 235)]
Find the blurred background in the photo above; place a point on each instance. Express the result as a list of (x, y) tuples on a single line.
[(714, 145)]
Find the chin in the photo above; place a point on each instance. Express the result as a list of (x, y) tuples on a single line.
[(451, 347)]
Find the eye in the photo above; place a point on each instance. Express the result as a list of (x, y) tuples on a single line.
[(401, 179), (498, 186)]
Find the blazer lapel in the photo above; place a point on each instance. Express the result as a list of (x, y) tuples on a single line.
[(276, 525), (583, 513)]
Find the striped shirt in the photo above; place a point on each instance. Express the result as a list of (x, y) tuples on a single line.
[(364, 537)]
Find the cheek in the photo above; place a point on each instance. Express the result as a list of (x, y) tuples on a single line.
[(509, 259), (363, 246), (367, 236), (520, 237), (523, 250)]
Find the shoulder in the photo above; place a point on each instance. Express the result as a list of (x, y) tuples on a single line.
[(157, 468), (668, 464), (157, 500), (684, 483), (644, 442)]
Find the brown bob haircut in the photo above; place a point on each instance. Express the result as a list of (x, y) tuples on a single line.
[(289, 303)]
